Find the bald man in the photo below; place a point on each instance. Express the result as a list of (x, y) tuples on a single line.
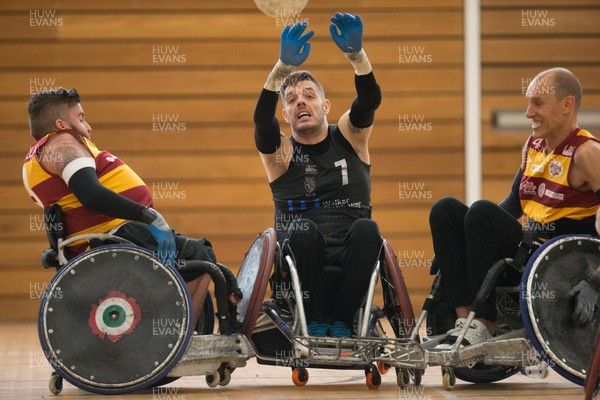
[(557, 189)]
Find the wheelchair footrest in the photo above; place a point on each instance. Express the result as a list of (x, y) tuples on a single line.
[(400, 353), (514, 351), (206, 353)]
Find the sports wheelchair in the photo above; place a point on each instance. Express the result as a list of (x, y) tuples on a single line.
[(534, 316), (592, 380), (278, 330), (115, 320)]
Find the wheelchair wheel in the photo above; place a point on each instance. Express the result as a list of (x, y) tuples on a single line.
[(397, 305), (253, 277), (114, 320), (592, 380), (546, 306)]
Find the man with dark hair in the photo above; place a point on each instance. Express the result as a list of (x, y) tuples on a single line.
[(557, 189), (319, 176), (46, 107), (97, 191)]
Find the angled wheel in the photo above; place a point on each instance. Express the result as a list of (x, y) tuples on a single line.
[(117, 302), (592, 380), (397, 304), (546, 306), (253, 277)]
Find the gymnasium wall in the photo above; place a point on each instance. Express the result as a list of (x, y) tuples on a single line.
[(170, 87)]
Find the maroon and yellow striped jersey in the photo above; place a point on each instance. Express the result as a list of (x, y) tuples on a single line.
[(47, 189), (545, 192)]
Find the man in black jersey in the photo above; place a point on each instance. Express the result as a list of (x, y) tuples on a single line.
[(319, 176)]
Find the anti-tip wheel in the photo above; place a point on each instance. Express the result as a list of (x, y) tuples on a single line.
[(55, 384), (300, 376), (401, 378), (417, 376), (225, 373), (448, 379), (214, 379)]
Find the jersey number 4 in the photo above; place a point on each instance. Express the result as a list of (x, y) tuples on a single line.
[(344, 165)]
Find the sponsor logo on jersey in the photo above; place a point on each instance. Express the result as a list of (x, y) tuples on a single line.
[(555, 168), (311, 169), (528, 188), (568, 151)]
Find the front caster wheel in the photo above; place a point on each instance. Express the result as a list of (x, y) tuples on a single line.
[(373, 378), (382, 367)]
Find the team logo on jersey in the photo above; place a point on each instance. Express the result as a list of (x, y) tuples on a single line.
[(111, 158), (568, 151), (310, 184), (555, 168)]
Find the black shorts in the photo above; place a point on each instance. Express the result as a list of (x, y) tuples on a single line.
[(187, 248)]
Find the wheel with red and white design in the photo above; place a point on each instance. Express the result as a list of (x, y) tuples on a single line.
[(115, 320)]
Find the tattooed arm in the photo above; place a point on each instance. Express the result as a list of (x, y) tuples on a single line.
[(68, 158)]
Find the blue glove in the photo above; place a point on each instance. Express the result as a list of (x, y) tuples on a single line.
[(163, 234), (294, 48), (349, 40)]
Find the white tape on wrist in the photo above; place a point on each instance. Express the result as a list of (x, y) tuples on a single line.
[(277, 76), (360, 62)]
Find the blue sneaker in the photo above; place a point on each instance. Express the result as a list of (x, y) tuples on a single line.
[(316, 329), (339, 329)]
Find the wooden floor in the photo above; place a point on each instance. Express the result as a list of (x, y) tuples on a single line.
[(24, 374)]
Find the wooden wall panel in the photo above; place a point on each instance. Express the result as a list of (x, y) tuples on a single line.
[(206, 176), (200, 173), (519, 41)]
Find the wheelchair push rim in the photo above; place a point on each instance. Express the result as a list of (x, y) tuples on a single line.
[(115, 320)]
